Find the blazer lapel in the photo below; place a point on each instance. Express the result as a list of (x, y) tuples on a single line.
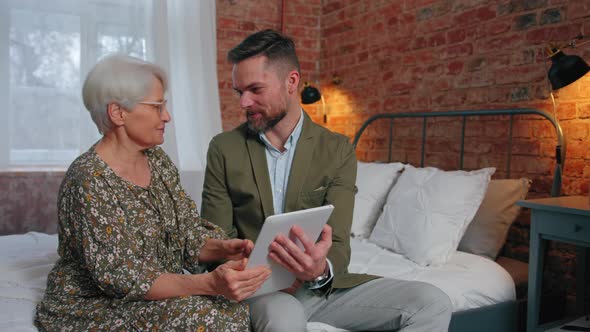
[(301, 163), (260, 170)]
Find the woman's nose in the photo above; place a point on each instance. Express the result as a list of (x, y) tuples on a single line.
[(165, 115)]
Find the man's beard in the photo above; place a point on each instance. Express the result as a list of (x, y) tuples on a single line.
[(264, 123)]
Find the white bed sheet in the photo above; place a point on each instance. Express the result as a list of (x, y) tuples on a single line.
[(470, 281), (25, 261)]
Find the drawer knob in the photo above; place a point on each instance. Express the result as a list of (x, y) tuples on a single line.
[(577, 228)]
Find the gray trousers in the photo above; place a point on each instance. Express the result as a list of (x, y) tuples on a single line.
[(379, 305)]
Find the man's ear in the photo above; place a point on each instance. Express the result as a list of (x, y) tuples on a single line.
[(293, 81), (116, 114)]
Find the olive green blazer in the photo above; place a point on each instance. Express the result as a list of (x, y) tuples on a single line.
[(237, 193)]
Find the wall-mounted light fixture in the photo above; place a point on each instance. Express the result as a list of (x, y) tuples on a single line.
[(310, 95), (566, 69)]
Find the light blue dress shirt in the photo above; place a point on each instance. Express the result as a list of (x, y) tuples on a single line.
[(279, 167)]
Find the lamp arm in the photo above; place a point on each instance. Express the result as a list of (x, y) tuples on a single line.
[(574, 42), (582, 43), (552, 50)]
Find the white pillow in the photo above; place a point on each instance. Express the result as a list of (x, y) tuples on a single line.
[(373, 181), (428, 211)]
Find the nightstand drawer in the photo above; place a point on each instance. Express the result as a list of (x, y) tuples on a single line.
[(572, 229)]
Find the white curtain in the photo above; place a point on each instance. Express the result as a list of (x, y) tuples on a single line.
[(47, 47)]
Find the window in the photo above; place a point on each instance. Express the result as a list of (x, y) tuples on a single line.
[(51, 45)]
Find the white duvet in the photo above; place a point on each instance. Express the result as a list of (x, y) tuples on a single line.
[(470, 281)]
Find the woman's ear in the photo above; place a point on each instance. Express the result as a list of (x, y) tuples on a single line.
[(116, 114)]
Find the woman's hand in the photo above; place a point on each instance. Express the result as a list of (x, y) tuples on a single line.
[(237, 249), (234, 282), (230, 280), (218, 250)]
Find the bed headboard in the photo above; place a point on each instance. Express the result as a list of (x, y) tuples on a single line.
[(497, 114)]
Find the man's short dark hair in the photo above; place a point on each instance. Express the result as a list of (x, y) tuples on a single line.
[(269, 43)]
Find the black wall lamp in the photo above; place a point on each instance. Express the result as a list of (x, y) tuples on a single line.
[(566, 69), (310, 95)]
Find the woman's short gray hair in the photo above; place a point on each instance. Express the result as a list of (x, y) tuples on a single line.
[(120, 79)]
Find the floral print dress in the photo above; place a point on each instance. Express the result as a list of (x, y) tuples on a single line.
[(115, 239)]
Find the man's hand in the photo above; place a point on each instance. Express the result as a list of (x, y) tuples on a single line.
[(306, 264), (235, 283)]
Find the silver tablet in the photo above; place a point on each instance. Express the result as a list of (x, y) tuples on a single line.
[(310, 220)]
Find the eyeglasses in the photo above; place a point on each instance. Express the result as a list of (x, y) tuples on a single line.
[(159, 104)]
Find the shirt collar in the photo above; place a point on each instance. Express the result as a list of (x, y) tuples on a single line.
[(293, 138)]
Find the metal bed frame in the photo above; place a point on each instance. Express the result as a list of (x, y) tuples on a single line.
[(502, 316)]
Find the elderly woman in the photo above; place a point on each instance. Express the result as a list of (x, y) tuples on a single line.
[(127, 229)]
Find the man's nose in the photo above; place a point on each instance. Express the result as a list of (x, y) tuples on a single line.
[(246, 100)]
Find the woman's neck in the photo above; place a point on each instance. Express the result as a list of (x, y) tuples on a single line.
[(126, 160), (112, 148)]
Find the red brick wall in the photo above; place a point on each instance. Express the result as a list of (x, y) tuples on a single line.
[(300, 19), (427, 55)]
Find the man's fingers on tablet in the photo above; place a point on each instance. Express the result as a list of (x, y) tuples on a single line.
[(287, 257), (280, 261), (326, 234), (303, 238), (301, 260), (289, 246), (274, 254), (325, 242)]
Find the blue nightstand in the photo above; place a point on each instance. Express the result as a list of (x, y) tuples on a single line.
[(565, 219)]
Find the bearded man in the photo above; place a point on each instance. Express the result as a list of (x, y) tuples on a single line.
[(281, 161)]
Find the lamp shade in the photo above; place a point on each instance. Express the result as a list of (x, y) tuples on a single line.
[(566, 69), (310, 94)]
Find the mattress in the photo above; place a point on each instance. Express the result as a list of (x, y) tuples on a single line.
[(470, 281), (25, 261)]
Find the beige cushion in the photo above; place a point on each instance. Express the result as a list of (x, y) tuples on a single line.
[(487, 233)]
